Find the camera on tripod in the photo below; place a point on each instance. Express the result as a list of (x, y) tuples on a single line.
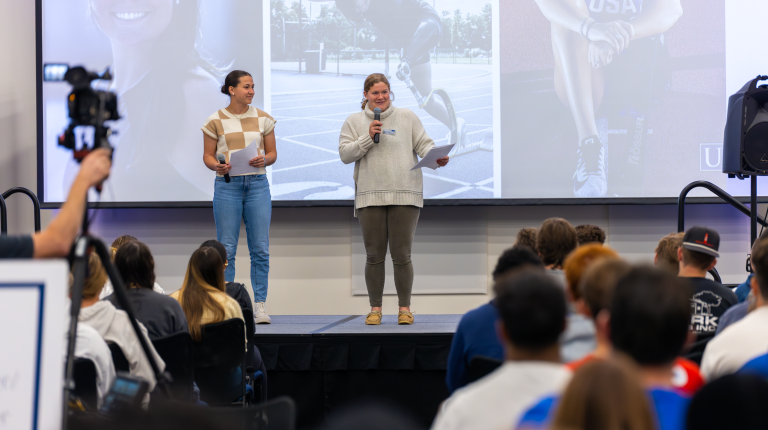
[(87, 106)]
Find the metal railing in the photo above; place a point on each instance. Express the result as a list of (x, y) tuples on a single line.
[(719, 192), (3, 217), (4, 210)]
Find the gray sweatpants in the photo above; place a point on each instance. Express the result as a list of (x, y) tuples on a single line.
[(395, 225)]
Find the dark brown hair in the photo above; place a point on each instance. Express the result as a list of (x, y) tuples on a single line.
[(598, 282), (135, 264), (203, 277), (697, 259), (526, 237), (588, 233), (120, 241), (215, 244), (233, 80), (555, 239), (579, 260), (604, 395), (370, 81), (666, 252)]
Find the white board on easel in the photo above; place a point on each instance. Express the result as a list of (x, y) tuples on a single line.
[(33, 306)]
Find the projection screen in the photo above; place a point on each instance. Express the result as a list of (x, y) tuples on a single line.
[(537, 109)]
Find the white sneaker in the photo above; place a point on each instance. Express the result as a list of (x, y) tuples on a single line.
[(260, 314), (589, 179)]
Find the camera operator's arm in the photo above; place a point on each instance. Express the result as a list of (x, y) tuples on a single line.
[(656, 17), (56, 240)]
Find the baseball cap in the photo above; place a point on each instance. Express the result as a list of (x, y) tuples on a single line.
[(702, 239)]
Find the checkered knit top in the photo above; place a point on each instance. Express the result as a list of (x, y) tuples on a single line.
[(233, 133)]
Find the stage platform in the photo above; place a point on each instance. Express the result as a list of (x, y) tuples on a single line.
[(325, 362)]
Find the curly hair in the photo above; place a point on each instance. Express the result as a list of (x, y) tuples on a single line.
[(526, 237), (588, 233)]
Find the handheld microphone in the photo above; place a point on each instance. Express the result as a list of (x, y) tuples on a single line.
[(221, 159), (376, 117)]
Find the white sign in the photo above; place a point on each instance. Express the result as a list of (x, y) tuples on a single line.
[(33, 303)]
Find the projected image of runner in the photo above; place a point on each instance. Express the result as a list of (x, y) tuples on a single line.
[(612, 98), (437, 55)]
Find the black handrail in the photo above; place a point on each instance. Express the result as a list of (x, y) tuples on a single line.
[(3, 217), (715, 274), (718, 192), (32, 196)]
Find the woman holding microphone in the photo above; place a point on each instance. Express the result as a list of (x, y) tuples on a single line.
[(246, 196), (389, 195)]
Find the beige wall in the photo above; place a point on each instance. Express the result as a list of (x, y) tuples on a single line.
[(315, 252)]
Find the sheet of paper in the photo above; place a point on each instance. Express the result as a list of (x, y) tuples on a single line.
[(239, 159), (430, 160)]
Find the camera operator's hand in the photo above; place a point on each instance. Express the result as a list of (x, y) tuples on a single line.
[(95, 167)]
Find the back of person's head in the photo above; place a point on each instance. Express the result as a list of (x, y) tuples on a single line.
[(588, 233), (598, 282), (135, 264), (95, 277), (700, 247), (120, 241), (215, 244), (579, 261), (513, 259), (731, 402), (203, 277), (666, 252), (526, 237), (532, 309), (650, 313), (604, 395), (555, 239), (759, 262)]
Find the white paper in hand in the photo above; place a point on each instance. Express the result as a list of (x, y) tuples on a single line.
[(430, 160), (239, 158)]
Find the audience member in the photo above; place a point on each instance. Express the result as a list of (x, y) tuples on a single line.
[(746, 339), (666, 253), (160, 314), (90, 345), (698, 254), (555, 239), (736, 313), (577, 263), (588, 233), (114, 325), (532, 310), (730, 402), (596, 287), (526, 237), (116, 244), (476, 333), (647, 321), (604, 395), (202, 296), (56, 240)]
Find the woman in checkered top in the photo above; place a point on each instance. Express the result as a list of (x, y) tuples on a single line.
[(244, 196)]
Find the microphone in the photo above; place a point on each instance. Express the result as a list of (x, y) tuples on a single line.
[(376, 117), (221, 159)]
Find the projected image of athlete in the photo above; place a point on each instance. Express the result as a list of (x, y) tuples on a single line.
[(588, 35), (415, 28), (167, 88)]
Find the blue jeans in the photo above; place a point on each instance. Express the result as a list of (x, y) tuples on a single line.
[(245, 198)]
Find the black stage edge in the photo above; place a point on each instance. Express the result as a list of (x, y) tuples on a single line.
[(327, 362)]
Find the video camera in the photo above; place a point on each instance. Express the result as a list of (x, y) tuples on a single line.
[(87, 107)]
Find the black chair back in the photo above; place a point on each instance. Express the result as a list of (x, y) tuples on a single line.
[(86, 387), (177, 351), (250, 328), (480, 366), (277, 414), (118, 358), (219, 359)]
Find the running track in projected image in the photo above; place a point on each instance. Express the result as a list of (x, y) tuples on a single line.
[(310, 110)]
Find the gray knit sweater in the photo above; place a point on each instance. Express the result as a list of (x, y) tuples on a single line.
[(383, 173)]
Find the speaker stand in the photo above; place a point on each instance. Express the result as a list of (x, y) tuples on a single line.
[(753, 209)]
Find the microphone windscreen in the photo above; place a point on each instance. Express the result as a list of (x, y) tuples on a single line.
[(377, 111), (221, 158)]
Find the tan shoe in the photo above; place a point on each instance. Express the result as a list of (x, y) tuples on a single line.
[(404, 317), (373, 318)]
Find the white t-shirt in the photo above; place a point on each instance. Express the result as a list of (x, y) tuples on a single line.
[(740, 342), (498, 400)]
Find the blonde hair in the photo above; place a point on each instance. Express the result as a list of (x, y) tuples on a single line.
[(370, 81), (604, 395), (203, 277), (120, 241), (95, 277), (666, 252)]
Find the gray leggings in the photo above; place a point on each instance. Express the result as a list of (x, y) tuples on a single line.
[(395, 225)]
